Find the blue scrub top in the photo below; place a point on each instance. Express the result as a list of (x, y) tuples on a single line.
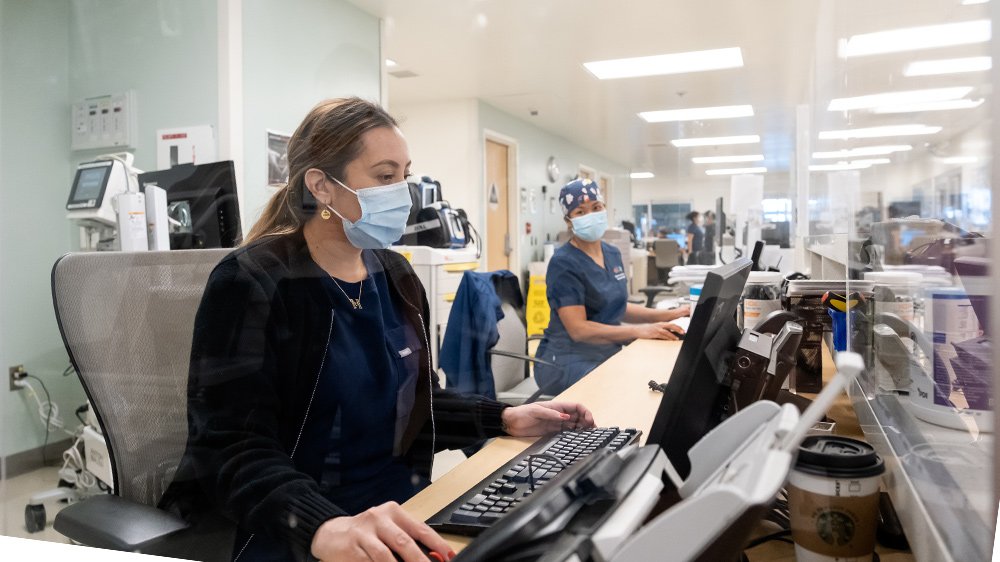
[(572, 279), (697, 243)]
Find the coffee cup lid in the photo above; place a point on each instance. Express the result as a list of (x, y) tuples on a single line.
[(839, 457)]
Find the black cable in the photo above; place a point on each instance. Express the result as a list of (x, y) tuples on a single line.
[(48, 416), (79, 411), (68, 370), (779, 536)]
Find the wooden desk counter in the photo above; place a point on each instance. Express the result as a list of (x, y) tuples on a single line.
[(618, 395), (616, 392)]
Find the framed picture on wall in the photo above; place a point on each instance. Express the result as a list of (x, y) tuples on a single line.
[(277, 158)]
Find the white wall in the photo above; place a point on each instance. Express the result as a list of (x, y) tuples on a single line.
[(296, 54), (35, 175), (444, 145)]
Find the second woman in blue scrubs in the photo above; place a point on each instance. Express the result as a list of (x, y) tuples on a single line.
[(587, 290)]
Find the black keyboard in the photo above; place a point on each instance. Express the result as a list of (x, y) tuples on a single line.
[(489, 500)]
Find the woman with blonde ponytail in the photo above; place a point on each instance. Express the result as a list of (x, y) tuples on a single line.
[(312, 406)]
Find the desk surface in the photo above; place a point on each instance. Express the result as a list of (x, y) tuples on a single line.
[(618, 395)]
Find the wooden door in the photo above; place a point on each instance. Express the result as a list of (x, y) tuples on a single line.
[(498, 237)]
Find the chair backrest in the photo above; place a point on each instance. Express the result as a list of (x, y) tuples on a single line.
[(668, 252), (126, 320), (507, 371)]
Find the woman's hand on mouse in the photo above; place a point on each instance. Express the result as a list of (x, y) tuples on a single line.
[(375, 535), (660, 331)]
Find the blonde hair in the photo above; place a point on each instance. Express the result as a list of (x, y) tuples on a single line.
[(329, 138)]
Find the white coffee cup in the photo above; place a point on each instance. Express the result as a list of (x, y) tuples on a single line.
[(833, 499)]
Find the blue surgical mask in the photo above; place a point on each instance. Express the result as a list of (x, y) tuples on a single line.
[(590, 227), (384, 210)]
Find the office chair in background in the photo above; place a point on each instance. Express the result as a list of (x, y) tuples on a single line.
[(126, 320), (668, 255), (472, 361)]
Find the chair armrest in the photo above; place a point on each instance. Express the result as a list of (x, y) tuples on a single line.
[(651, 292), (523, 358), (115, 523)]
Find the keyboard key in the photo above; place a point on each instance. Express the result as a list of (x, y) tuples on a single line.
[(464, 516)]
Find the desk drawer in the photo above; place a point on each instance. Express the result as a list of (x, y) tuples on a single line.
[(450, 274)]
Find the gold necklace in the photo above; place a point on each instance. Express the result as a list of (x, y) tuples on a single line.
[(355, 303)]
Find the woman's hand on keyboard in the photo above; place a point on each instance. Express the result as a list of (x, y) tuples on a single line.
[(541, 418), (375, 535)]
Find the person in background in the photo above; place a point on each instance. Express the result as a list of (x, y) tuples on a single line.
[(587, 290), (313, 410), (695, 238), (708, 248)]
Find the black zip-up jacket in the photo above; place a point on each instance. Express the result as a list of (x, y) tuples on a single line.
[(260, 339)]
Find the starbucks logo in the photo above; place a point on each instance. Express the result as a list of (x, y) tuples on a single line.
[(835, 528)]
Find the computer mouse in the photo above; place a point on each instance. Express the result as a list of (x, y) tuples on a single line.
[(431, 555), (679, 336)]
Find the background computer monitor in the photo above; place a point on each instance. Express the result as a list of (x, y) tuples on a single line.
[(776, 234), (203, 199), (695, 396)]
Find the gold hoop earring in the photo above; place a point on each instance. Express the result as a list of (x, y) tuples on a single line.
[(325, 214)]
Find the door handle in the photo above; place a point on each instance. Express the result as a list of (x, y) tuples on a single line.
[(507, 249)]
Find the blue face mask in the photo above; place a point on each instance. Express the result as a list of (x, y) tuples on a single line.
[(384, 210), (590, 227)]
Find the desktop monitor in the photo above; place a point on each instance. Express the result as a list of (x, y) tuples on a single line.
[(201, 203), (777, 234), (695, 396)]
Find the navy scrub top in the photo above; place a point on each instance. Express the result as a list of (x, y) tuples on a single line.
[(371, 356), (573, 278)]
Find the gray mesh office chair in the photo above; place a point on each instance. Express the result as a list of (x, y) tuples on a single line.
[(126, 320), (668, 254)]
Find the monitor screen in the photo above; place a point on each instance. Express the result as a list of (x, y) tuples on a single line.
[(89, 185), (680, 238), (201, 203), (694, 397)]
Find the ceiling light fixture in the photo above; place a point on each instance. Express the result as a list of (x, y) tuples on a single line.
[(697, 113), (898, 98), (389, 63), (641, 175), (715, 141), (876, 132), (871, 161), (676, 63), (863, 151), (916, 38), (735, 171), (972, 2), (840, 167), (929, 106), (727, 159), (948, 66)]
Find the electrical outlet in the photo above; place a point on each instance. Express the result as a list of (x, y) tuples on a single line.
[(17, 373)]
